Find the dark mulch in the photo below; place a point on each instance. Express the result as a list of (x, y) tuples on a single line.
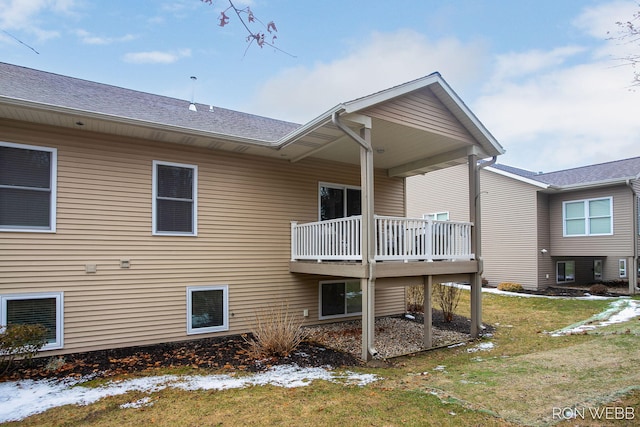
[(224, 353)]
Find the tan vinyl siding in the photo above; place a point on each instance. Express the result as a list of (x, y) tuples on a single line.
[(618, 244), (440, 191), (546, 266), (245, 205), (509, 230), (422, 110)]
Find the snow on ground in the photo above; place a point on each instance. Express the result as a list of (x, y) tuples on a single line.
[(21, 399), (525, 295), (618, 311)]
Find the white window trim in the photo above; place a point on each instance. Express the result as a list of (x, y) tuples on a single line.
[(54, 188), (59, 296), (622, 268), (154, 197), (225, 304), (435, 215), (586, 217), (335, 186), (565, 275), (334, 316)]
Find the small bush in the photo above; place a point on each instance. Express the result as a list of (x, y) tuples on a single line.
[(510, 287), (276, 332), (415, 299), (20, 341), (485, 282), (598, 289), (448, 298)]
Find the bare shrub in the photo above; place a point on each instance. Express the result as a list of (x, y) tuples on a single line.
[(448, 297), (20, 341), (598, 289), (510, 287), (276, 332), (415, 299)]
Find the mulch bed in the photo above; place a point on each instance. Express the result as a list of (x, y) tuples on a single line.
[(224, 353)]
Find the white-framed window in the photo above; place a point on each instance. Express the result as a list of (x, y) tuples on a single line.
[(437, 216), (28, 176), (622, 268), (340, 298), (591, 217), (338, 201), (38, 308), (207, 309), (565, 271), (175, 199)]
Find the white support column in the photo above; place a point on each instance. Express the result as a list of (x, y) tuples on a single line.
[(427, 341), (368, 245), (474, 217)]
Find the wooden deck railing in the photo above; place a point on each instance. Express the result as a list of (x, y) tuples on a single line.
[(396, 239)]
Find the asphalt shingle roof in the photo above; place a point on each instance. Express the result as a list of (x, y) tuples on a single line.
[(63, 91), (618, 169)]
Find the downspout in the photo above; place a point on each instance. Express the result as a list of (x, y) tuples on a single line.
[(366, 157), (479, 253), (634, 265)]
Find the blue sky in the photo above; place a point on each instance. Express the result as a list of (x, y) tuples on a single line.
[(541, 75)]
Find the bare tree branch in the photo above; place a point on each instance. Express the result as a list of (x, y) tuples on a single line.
[(259, 37)]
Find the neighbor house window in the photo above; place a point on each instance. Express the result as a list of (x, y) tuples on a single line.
[(593, 217), (565, 271), (339, 201), (27, 187), (44, 309), (622, 267), (340, 298), (207, 309), (437, 216), (175, 207)]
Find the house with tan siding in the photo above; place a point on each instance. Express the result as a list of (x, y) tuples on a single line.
[(574, 226), (128, 218)]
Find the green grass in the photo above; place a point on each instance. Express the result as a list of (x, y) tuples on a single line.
[(518, 382)]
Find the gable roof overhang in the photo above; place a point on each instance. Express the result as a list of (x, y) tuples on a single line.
[(554, 188), (416, 127)]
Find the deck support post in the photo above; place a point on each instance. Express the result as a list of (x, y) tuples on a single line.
[(427, 340), (474, 217)]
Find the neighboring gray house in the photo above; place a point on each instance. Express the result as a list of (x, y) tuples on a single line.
[(572, 226)]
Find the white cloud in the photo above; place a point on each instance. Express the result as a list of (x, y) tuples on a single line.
[(23, 15), (380, 61), (156, 57), (88, 38)]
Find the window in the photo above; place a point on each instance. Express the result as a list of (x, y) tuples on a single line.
[(27, 188), (593, 217), (339, 201), (597, 269), (44, 309), (622, 267), (207, 309), (175, 208), (437, 216), (565, 271), (340, 299)]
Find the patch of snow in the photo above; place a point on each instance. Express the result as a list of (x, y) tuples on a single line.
[(456, 345), (618, 312), (409, 316), (484, 346), (20, 399), (440, 368), (525, 295), (145, 401)]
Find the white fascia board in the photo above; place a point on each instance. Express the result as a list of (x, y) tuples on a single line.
[(518, 178), (594, 184)]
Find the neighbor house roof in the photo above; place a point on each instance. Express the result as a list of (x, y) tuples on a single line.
[(618, 171)]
